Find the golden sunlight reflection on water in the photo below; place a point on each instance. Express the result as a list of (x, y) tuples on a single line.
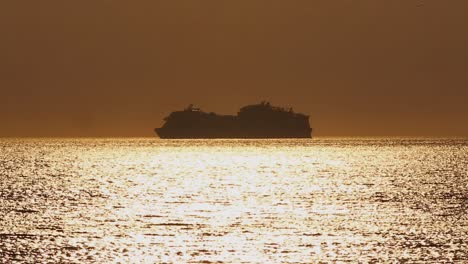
[(233, 201)]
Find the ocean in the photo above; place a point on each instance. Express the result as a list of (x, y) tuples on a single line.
[(148, 200)]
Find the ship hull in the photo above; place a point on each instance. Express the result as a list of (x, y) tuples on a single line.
[(201, 134)]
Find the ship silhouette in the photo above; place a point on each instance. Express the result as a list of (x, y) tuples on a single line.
[(252, 121)]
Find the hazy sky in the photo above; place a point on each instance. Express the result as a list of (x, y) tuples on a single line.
[(116, 68)]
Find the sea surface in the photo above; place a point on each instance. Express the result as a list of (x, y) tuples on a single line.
[(234, 201)]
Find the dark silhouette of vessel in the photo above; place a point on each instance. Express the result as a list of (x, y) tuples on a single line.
[(253, 121)]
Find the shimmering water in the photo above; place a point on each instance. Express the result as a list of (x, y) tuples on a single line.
[(233, 201)]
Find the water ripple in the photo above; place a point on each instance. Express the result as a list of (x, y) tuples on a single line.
[(234, 201)]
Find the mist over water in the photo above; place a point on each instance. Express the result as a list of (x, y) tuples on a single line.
[(233, 201)]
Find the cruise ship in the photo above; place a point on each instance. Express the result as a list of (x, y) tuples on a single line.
[(252, 121)]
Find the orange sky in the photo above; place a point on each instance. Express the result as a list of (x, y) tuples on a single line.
[(116, 68)]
